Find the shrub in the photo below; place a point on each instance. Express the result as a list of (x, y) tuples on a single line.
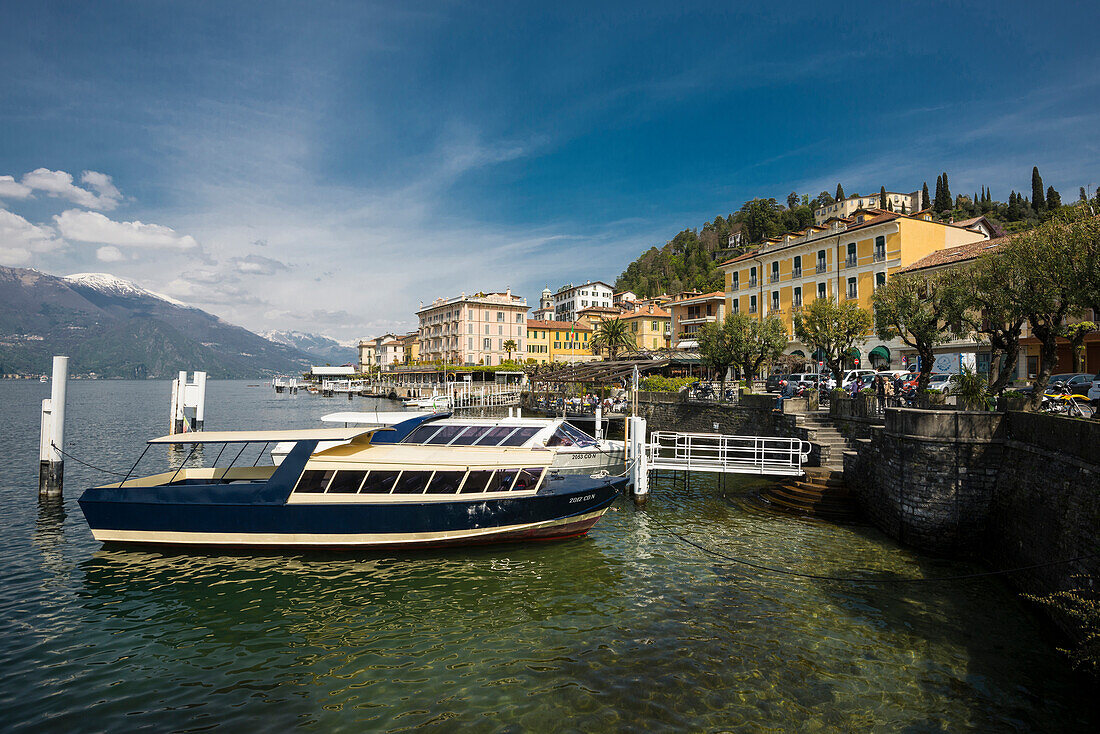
[(659, 383)]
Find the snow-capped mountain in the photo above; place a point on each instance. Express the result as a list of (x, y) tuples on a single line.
[(112, 285), (324, 347)]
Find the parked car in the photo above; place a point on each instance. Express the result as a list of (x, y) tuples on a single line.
[(1094, 391), (772, 383), (1077, 382), (812, 379), (850, 375), (942, 382), (891, 374)]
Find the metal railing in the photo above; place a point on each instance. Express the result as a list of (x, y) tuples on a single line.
[(850, 261), (880, 255), (711, 452), (796, 273), (821, 267)]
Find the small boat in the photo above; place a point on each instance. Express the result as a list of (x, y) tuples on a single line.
[(576, 452), (43, 378), (438, 402), (361, 493)]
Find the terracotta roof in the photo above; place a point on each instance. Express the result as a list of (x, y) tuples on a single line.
[(576, 326), (739, 258), (701, 297), (955, 255), (646, 312)]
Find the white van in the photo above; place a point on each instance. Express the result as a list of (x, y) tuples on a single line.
[(853, 375)]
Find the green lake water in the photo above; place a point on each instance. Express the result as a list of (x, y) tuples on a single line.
[(627, 629)]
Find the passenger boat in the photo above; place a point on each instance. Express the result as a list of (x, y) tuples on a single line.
[(361, 493), (576, 452)]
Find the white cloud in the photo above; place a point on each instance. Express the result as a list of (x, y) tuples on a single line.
[(59, 184), (19, 239), (82, 226), (12, 189), (257, 265), (109, 254)]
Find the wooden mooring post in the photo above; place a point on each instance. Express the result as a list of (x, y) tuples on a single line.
[(51, 462), (188, 395)]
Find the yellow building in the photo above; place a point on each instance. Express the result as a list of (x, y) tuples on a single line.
[(411, 346), (844, 258), (652, 327), (559, 341)]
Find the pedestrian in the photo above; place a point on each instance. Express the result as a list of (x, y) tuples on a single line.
[(880, 390)]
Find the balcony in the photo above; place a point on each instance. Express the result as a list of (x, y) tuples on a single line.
[(752, 282), (774, 278), (850, 261), (797, 303), (796, 273), (752, 309), (821, 266), (880, 256), (851, 294)]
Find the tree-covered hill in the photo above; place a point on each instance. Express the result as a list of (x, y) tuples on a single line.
[(689, 261)]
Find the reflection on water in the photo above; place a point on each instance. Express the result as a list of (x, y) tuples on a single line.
[(627, 629)]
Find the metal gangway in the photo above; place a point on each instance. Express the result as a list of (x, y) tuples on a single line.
[(709, 452)]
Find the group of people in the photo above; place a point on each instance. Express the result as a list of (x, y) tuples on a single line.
[(889, 390)]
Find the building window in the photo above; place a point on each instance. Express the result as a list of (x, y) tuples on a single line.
[(519, 318), (752, 277), (736, 307), (775, 271), (880, 280), (734, 284), (850, 261), (852, 293), (796, 272), (500, 316), (797, 296), (470, 343), (821, 261), (820, 290), (775, 300), (752, 304), (880, 249), (487, 344)]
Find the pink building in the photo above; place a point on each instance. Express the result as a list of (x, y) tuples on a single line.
[(473, 329)]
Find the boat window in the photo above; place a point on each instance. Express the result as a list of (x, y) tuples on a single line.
[(313, 480), (446, 482), (496, 436), (580, 438), (446, 433), (412, 482), (527, 479), (346, 481), (560, 438), (502, 482), (422, 434), (471, 434), (521, 436), (379, 482), (476, 481)]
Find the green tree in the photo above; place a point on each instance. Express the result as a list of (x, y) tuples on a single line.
[(839, 193), (793, 200), (1037, 201), (1054, 199), (989, 312), (509, 346), (1044, 287), (611, 336), (759, 219), (946, 190), (924, 200), (716, 349), (922, 311), (939, 194), (1084, 196), (882, 202), (824, 199), (833, 328)]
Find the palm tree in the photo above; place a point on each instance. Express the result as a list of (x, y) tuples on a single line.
[(612, 335), (510, 346)]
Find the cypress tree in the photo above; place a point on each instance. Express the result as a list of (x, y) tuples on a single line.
[(1054, 199), (946, 191), (924, 202), (1084, 197), (1037, 201), (839, 193), (938, 201), (882, 198)]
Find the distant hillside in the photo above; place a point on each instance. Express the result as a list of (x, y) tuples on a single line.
[(323, 349), (115, 328)]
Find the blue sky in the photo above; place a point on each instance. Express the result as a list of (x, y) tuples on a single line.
[(326, 166)]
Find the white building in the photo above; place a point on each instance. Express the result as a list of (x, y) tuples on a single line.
[(545, 311), (473, 329), (572, 298), (382, 352), (901, 203)]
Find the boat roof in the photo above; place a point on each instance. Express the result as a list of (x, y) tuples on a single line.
[(273, 436), (375, 418), (406, 456)]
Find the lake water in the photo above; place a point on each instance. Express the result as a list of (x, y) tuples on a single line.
[(627, 629)]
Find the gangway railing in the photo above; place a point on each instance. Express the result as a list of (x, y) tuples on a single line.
[(712, 452)]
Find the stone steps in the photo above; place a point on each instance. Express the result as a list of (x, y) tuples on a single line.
[(821, 494)]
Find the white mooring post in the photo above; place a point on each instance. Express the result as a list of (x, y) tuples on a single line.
[(599, 422), (188, 395), (51, 463), (640, 467)]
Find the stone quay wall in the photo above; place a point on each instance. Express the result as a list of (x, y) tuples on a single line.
[(1015, 489)]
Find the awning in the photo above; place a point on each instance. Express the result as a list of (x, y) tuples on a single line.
[(304, 434), (798, 353), (854, 353), (880, 352)]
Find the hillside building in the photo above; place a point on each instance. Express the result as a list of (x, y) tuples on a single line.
[(545, 311), (690, 311), (652, 327), (572, 298), (908, 203)]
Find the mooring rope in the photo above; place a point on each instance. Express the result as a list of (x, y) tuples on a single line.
[(862, 579), (63, 452)]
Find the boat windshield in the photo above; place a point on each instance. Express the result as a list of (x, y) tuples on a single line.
[(568, 435), (475, 435)]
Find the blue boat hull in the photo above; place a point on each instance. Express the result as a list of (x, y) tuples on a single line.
[(248, 515)]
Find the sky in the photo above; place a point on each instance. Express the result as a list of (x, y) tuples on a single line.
[(326, 167)]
